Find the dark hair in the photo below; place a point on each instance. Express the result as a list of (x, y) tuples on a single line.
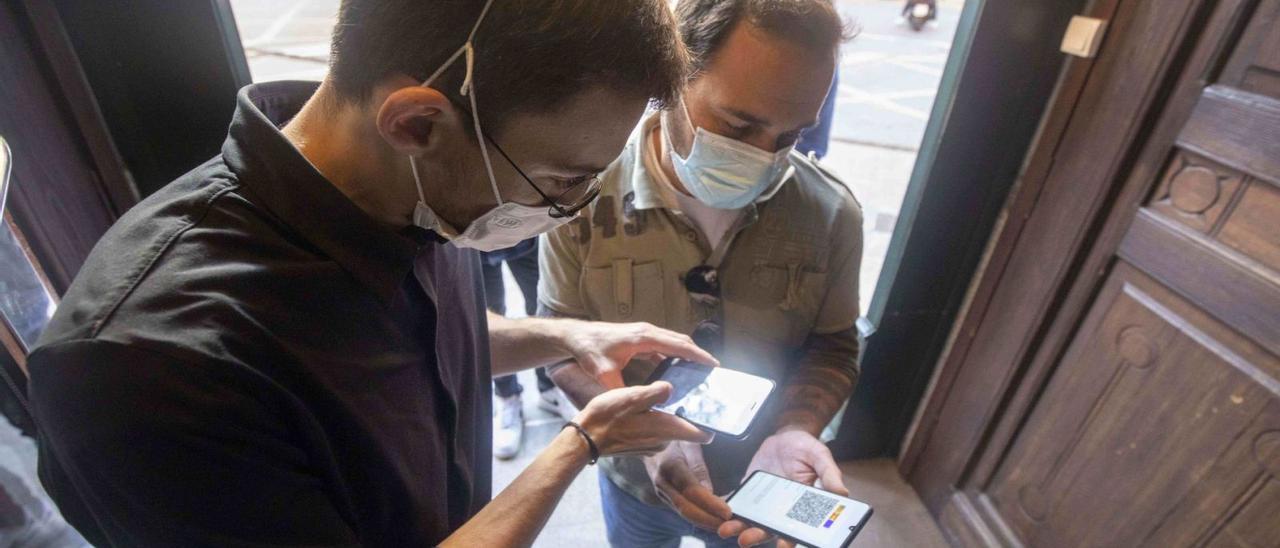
[(706, 24), (531, 55)]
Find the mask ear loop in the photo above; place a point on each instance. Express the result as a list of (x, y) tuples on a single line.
[(467, 90), (413, 161), (693, 132), (465, 46), (417, 180)]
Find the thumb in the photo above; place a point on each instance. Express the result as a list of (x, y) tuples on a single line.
[(831, 476), (647, 396)]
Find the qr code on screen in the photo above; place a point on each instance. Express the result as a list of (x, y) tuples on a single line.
[(812, 509)]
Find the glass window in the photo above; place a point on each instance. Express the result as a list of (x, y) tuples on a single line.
[(26, 303)]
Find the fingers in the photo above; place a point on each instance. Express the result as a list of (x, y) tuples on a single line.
[(670, 343), (645, 451), (688, 508), (676, 482), (732, 528), (683, 480), (747, 535), (754, 536), (708, 502), (643, 398), (670, 427)]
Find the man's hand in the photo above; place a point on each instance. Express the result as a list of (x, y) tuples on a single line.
[(680, 476), (620, 421), (600, 349), (796, 455), (603, 349)]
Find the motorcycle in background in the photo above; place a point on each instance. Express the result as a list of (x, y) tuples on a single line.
[(919, 12)]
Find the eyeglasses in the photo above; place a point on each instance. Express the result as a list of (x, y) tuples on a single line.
[(567, 203), (562, 206)]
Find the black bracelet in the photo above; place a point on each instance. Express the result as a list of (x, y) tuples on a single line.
[(591, 445)]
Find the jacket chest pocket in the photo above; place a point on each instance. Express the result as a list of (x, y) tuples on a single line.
[(780, 302), (626, 291)]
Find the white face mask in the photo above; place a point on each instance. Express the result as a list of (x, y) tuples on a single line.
[(725, 173), (508, 223)]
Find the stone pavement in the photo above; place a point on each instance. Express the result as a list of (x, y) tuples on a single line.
[(890, 73), (286, 39)]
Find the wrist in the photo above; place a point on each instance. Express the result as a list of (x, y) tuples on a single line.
[(798, 423), (575, 447), (558, 333)]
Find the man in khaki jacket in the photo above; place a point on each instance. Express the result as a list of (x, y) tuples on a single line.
[(711, 225)]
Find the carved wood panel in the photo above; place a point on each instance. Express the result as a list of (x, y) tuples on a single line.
[(1151, 394), (1253, 227), (1195, 192), (1256, 67)]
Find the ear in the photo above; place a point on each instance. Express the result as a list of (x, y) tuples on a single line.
[(413, 120)]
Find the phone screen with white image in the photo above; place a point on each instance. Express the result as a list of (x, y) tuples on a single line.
[(799, 512), (715, 398)]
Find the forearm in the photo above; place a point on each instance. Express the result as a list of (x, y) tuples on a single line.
[(576, 384), (516, 345), (825, 378), (519, 512)]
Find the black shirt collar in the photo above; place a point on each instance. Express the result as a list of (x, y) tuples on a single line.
[(275, 172)]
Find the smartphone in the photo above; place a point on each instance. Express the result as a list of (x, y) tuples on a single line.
[(721, 400), (797, 512)]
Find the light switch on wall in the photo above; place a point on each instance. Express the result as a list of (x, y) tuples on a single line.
[(1083, 36)]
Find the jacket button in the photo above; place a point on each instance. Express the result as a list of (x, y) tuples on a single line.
[(691, 236), (624, 309)]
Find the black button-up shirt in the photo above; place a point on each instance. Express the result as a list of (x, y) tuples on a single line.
[(248, 359)]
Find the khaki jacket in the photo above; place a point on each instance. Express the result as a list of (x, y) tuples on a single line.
[(789, 283)]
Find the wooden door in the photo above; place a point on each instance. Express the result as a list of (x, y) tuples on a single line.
[(1161, 426), (68, 184), (1141, 406)]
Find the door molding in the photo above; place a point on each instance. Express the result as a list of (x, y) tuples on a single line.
[(998, 81)]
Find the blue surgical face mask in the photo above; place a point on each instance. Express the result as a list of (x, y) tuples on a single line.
[(726, 173)]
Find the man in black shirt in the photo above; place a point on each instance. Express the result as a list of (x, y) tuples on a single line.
[(288, 345)]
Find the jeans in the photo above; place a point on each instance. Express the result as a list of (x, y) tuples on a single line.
[(633, 524), (525, 270)]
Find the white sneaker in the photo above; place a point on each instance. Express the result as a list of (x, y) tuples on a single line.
[(508, 427), (554, 401)]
